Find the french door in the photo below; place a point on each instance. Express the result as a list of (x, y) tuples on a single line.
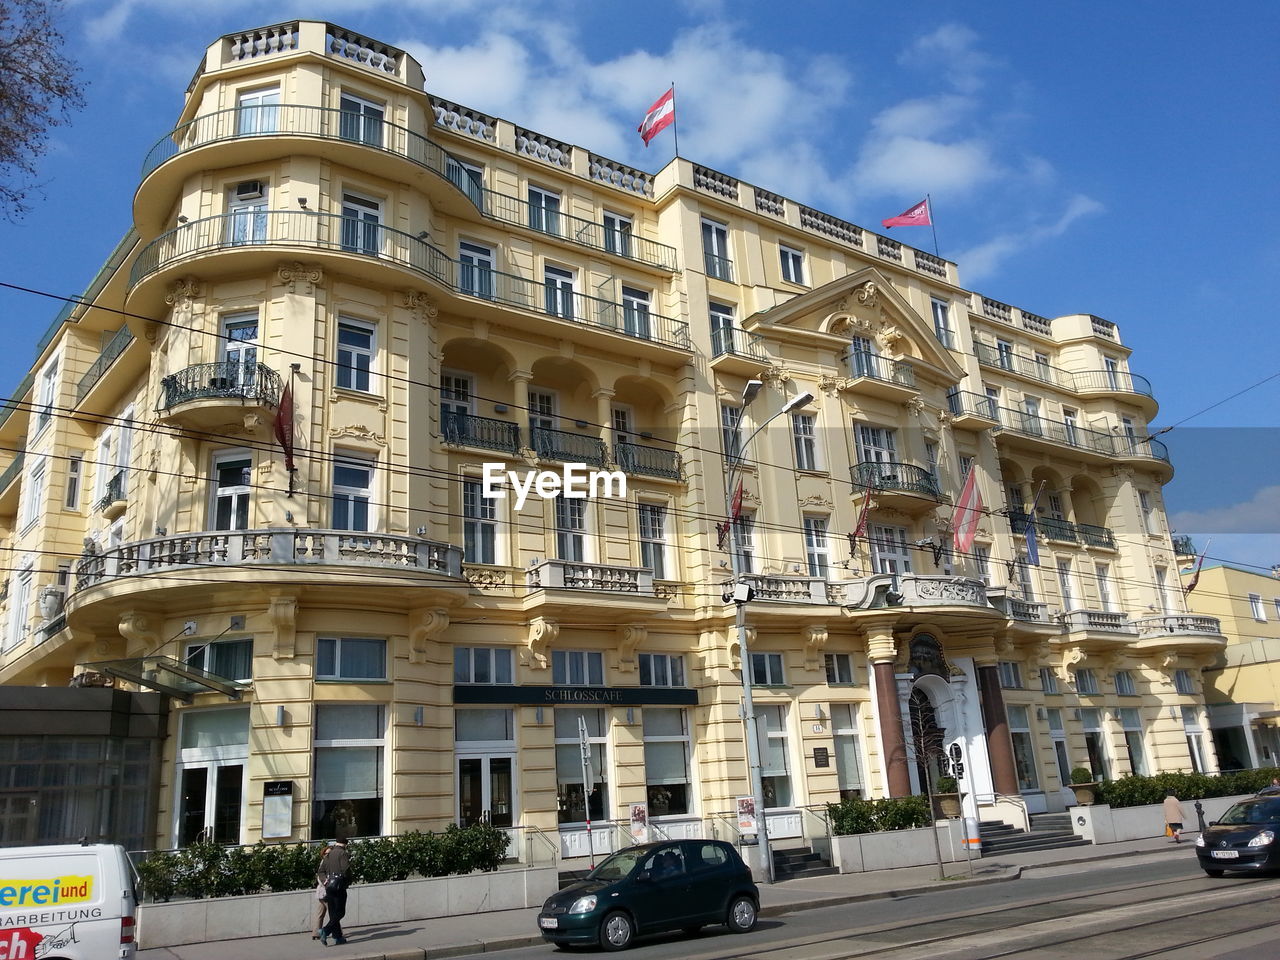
[(486, 789)]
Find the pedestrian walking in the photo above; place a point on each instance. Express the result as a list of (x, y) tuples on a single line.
[(322, 908), (1173, 816), (335, 866)]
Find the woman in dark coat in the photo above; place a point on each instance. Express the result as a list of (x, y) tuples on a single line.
[(333, 870)]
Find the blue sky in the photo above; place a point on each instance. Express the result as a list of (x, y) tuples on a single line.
[(1108, 158)]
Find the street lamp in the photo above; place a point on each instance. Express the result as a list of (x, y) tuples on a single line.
[(741, 594)]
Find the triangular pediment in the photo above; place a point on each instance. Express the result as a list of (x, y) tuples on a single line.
[(861, 304)]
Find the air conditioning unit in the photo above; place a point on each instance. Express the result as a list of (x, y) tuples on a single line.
[(249, 190)]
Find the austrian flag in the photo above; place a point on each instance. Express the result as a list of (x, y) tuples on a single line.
[(964, 524), (660, 116)]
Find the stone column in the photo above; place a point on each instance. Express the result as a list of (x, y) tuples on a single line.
[(882, 651), (520, 381), (1004, 775)]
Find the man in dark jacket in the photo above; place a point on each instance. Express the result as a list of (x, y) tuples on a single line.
[(333, 870)]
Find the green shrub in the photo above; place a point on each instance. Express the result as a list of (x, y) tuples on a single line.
[(1133, 791), (946, 785), (856, 815), (1082, 775)]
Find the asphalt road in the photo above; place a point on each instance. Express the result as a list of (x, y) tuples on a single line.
[(1119, 910)]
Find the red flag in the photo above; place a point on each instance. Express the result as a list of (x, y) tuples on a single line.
[(736, 507), (964, 523), (917, 216), (284, 426), (861, 526), (1195, 577), (660, 116)]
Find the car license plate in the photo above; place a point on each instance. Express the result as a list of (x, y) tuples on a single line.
[(1226, 854), (548, 923)]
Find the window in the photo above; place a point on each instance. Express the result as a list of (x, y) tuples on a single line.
[(1010, 675), (1112, 367), (1130, 434), (636, 321), (571, 526), (212, 756), (1194, 732), (455, 407), (993, 409), (361, 224), (876, 445), (577, 668), (232, 659), (475, 270), (349, 770), (572, 801), (482, 665), (1031, 415), (1042, 367), (1004, 354), (360, 120), (661, 670), (744, 542), (355, 354), (1071, 424), (1048, 681), (1058, 736), (558, 284), (1167, 603), (20, 608), (766, 670), (667, 749), (792, 264), (75, 480), (724, 337), (803, 436), (1086, 682), (848, 750), (864, 360), (771, 733), (617, 234), (1182, 682), (715, 250), (816, 546), (1022, 573), (479, 524), (48, 393), (232, 474), (351, 658), (1131, 721), (622, 423), (889, 550), (1066, 584), (247, 214), (651, 519), (544, 210), (1094, 745), (931, 458), (239, 353), (942, 323), (1255, 607), (1124, 684), (730, 431), (467, 177), (839, 668), (1102, 573), (257, 111), (33, 493), (1144, 504), (352, 483), (982, 562), (1024, 754)]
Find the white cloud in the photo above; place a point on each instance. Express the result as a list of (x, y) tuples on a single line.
[(1259, 514), (986, 258), (954, 48), (911, 165)]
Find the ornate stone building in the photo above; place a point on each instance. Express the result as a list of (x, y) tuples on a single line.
[(249, 473)]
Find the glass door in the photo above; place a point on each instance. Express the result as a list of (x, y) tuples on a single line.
[(241, 351), (486, 790), (210, 799)]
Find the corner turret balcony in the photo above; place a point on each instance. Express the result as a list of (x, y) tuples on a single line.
[(1116, 383), (898, 486), (1185, 632), (646, 461), (877, 376), (486, 433), (202, 396)]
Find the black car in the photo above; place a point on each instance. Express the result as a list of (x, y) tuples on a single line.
[(1246, 837), (672, 885)]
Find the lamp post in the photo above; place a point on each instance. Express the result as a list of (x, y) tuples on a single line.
[(741, 595)]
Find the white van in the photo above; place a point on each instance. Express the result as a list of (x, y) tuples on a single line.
[(67, 903)]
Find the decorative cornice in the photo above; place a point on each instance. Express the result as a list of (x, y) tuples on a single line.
[(183, 291), (308, 274), (419, 304), (360, 432)]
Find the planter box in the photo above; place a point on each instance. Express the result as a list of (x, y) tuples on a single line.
[(860, 852), (1102, 823), (265, 914)]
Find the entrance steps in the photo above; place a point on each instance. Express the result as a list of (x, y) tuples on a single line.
[(1049, 831), (798, 862)]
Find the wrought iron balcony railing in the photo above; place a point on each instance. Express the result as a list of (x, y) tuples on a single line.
[(567, 447), (484, 432), (1096, 536), (113, 492), (11, 472), (900, 477), (1031, 367), (719, 267), (225, 379), (1112, 381), (349, 235), (1061, 432), (863, 363), (963, 402), (730, 341), (647, 461), (110, 352)]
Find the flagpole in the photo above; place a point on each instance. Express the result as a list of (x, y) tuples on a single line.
[(675, 120), (929, 201)]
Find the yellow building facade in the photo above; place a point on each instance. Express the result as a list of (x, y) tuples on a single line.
[(1242, 686), (250, 472)]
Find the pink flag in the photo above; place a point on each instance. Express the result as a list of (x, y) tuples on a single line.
[(917, 216), (284, 426), (964, 523), (660, 116)]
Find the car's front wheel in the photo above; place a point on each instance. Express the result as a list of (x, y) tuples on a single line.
[(1213, 873), (742, 914), (616, 931)]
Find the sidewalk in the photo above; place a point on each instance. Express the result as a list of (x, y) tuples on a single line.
[(484, 932)]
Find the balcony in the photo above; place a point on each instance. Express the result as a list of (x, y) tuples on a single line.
[(12, 471), (880, 377), (736, 351), (1098, 621), (242, 552), (112, 502), (1183, 546), (720, 268), (1031, 368), (913, 590), (595, 577), (1178, 625), (1043, 432), (899, 486), (97, 370), (972, 411), (1092, 535), (1027, 611), (1141, 448), (240, 240), (567, 447), (1111, 381), (486, 433), (647, 461), (198, 396), (784, 589)]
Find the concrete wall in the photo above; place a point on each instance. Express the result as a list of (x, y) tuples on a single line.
[(1100, 823), (860, 852)]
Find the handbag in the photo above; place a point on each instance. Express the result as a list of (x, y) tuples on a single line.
[(335, 884)]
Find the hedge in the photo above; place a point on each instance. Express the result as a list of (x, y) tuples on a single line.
[(1133, 791), (209, 869), (856, 815)]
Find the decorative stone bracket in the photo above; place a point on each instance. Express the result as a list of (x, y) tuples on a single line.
[(630, 636), (542, 633), (815, 640), (282, 611), (425, 626), (139, 630)]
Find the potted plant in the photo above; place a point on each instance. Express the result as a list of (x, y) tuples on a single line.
[(1082, 784), (946, 797)]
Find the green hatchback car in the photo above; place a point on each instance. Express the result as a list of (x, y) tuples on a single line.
[(671, 885)]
